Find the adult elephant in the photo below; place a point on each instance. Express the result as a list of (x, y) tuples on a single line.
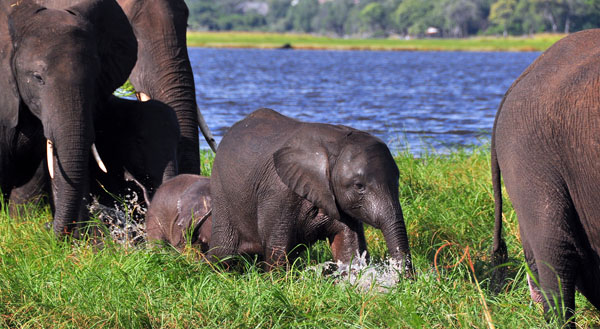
[(56, 67), (546, 143), (278, 183), (138, 143), (163, 70)]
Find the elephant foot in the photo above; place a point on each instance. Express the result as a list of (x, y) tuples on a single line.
[(534, 291)]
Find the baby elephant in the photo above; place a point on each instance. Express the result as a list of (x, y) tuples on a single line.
[(180, 210), (278, 183)]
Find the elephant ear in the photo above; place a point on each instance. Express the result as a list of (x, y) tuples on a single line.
[(117, 45), (306, 172), (9, 97)]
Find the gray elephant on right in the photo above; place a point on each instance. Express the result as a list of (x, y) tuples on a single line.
[(546, 143), (278, 184)]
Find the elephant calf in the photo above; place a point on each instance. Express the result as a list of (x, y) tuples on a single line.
[(278, 183), (181, 206)]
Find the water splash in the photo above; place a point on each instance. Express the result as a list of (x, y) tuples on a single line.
[(363, 276), (125, 220), (125, 223)]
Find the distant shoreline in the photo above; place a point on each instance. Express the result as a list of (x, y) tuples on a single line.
[(263, 40)]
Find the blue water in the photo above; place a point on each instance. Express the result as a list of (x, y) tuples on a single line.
[(416, 100)]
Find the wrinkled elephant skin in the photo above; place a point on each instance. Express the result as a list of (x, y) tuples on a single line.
[(57, 65), (137, 143), (278, 183), (163, 71), (545, 143)]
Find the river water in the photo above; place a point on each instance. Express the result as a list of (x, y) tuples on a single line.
[(417, 100)]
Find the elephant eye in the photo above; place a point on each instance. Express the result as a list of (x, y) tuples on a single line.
[(38, 77), (359, 186)]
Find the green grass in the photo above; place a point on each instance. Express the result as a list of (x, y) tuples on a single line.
[(49, 283), (305, 41)]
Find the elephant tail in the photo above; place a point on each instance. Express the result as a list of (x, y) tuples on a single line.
[(206, 131), (499, 251)]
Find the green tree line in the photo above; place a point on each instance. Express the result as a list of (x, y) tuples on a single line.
[(382, 18)]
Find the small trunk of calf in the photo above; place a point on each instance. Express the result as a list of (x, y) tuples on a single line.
[(394, 232)]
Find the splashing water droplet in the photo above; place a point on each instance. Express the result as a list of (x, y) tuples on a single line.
[(364, 276), (125, 221)]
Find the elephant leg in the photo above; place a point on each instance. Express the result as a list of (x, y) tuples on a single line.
[(534, 290), (275, 256), (557, 281), (6, 173), (275, 222), (225, 239), (548, 240), (588, 283), (348, 243), (31, 192), (546, 217)]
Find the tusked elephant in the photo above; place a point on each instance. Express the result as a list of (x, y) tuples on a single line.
[(163, 70), (56, 67), (138, 143), (278, 183), (181, 211), (546, 145)]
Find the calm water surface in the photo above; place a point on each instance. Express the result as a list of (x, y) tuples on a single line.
[(415, 100)]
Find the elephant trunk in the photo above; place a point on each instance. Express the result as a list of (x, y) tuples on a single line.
[(394, 231), (170, 171), (71, 175), (164, 73), (182, 99)]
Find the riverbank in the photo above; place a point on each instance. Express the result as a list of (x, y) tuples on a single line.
[(305, 41), (49, 283)]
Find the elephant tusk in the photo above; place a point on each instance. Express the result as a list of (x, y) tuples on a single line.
[(142, 97), (50, 158), (205, 131), (98, 159)]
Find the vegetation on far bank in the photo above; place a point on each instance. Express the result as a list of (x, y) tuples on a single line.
[(306, 41), (382, 18), (49, 283)]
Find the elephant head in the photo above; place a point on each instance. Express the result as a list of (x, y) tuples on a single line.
[(58, 65), (353, 178), (163, 70)]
